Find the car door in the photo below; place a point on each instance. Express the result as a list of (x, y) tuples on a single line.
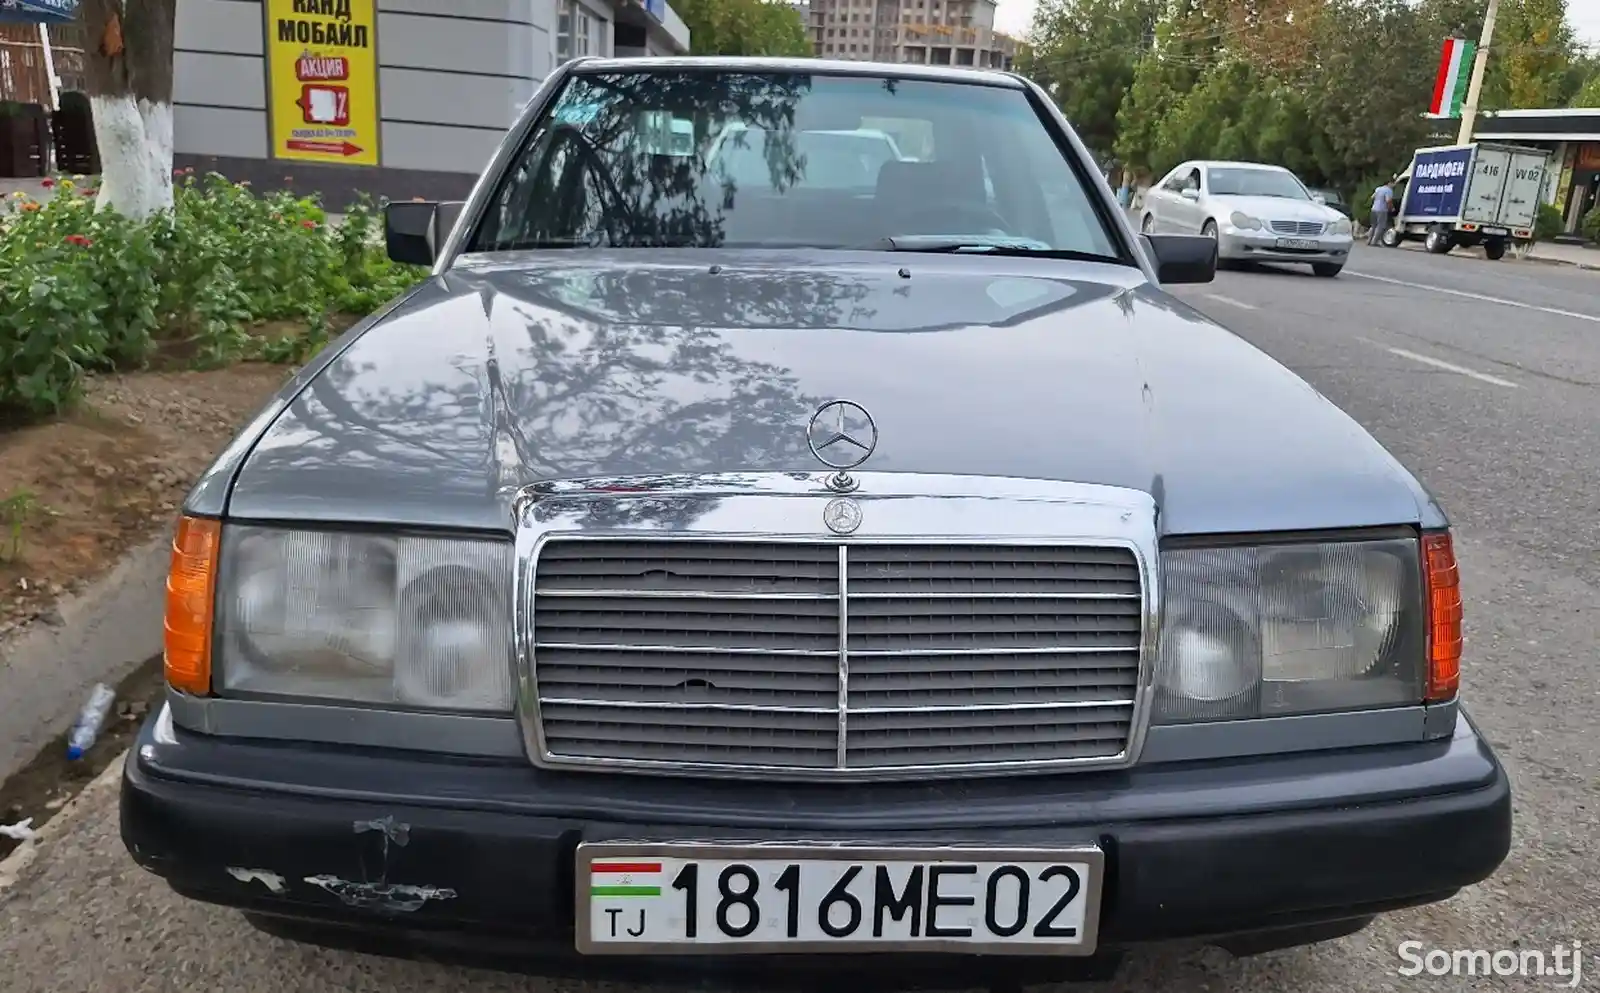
[(1188, 211), (1156, 199), (1168, 204)]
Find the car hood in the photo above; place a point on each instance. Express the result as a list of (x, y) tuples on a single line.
[(533, 367), (1279, 208)]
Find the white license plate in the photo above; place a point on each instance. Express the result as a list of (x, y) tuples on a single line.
[(1298, 243), (643, 898), (1499, 232)]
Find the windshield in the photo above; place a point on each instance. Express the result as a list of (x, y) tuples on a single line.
[(1257, 183), (837, 161), (673, 157)]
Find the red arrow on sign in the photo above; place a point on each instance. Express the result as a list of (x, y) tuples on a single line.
[(331, 147)]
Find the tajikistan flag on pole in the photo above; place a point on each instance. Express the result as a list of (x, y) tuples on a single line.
[(1455, 71)]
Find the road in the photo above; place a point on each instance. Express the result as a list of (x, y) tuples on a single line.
[(1480, 376)]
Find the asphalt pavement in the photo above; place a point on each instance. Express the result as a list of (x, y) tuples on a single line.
[(1483, 377)]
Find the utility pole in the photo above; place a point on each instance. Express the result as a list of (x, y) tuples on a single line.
[(1469, 109)]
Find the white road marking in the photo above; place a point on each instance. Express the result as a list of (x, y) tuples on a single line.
[(1482, 377), (1478, 296), (1230, 301)]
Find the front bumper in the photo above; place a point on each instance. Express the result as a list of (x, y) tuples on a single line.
[(1240, 245), (1193, 851)]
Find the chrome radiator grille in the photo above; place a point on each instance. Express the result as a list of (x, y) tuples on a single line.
[(1302, 228), (805, 657)]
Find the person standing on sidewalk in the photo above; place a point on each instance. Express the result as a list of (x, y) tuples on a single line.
[(1382, 204)]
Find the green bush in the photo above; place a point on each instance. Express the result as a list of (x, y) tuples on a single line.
[(1549, 223), (1591, 225), (81, 290)]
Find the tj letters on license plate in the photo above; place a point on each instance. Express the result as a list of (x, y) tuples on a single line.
[(643, 898)]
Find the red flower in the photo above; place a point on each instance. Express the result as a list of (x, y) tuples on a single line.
[(90, 193), (308, 224), (177, 173), (79, 240), (47, 183)]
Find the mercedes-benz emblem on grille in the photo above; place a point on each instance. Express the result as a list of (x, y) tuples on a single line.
[(842, 515), (842, 434)]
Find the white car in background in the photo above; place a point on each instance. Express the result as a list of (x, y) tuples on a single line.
[(1257, 213)]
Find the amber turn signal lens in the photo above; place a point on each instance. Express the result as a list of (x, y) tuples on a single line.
[(191, 587), (1443, 581)]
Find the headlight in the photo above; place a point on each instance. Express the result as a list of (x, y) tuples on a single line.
[(410, 621), (1244, 221), (1340, 227), (1270, 630)]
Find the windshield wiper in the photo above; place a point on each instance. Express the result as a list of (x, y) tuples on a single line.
[(979, 245)]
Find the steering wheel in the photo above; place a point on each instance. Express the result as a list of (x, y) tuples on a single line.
[(943, 213)]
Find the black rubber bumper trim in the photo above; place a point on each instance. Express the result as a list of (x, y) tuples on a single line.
[(366, 861)]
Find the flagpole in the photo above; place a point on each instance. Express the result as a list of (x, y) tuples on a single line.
[(1469, 109)]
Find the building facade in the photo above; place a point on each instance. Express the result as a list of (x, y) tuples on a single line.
[(394, 98), (1573, 138), (933, 32)]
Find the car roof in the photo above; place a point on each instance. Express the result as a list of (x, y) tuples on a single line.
[(824, 67), (1235, 164)]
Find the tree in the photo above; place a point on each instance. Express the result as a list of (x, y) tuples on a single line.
[(744, 27), (1186, 41), (128, 76), (1534, 48), (1589, 94), (1084, 53)]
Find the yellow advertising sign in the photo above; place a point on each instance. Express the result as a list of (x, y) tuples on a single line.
[(323, 64)]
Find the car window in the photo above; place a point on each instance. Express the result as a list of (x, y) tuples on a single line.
[(668, 157), (1245, 181)]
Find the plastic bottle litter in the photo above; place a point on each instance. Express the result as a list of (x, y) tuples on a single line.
[(90, 720)]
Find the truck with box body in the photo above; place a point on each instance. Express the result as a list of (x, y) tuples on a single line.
[(1481, 193)]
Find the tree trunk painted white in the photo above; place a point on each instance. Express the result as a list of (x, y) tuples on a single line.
[(128, 71), (135, 138)]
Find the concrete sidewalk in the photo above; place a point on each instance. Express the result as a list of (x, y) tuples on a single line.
[(1582, 256)]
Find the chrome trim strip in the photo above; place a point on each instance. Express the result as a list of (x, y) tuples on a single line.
[(502, 737), (841, 759), (684, 650), (743, 708), (757, 708), (815, 653), (746, 595), (1001, 708), (487, 736), (786, 507), (1275, 735)]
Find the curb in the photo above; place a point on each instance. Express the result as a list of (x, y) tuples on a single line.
[(13, 865), (100, 635)]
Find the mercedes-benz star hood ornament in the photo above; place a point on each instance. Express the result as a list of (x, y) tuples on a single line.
[(842, 435)]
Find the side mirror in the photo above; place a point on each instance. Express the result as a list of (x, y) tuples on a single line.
[(1318, 198), (1182, 258), (1189, 193), (414, 231)]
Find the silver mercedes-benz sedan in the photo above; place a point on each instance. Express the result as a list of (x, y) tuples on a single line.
[(1256, 213), (770, 573)]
